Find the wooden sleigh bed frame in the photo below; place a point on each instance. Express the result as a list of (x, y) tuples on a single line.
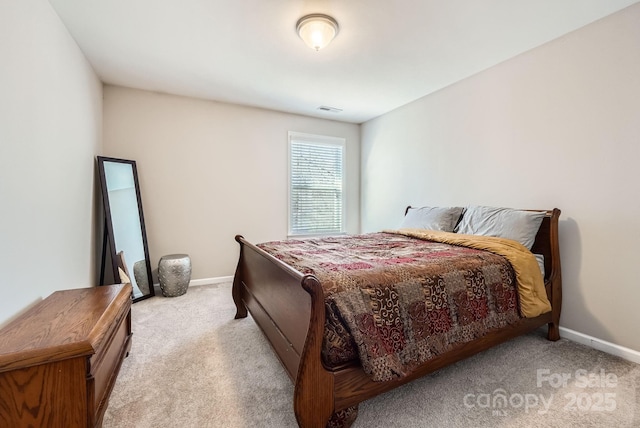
[(289, 307)]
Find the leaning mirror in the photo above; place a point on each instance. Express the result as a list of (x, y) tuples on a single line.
[(124, 246)]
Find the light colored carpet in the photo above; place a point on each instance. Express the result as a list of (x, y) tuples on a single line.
[(193, 365)]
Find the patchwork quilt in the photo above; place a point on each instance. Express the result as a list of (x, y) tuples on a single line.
[(395, 301)]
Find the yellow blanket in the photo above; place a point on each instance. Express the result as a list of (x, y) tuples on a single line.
[(531, 292)]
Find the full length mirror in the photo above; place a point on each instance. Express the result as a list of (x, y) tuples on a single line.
[(125, 238)]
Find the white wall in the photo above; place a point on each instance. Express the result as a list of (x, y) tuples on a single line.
[(555, 127), (210, 170), (50, 133)]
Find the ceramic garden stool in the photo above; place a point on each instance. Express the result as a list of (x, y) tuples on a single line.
[(174, 273)]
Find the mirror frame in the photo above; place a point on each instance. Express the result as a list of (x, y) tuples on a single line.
[(108, 226)]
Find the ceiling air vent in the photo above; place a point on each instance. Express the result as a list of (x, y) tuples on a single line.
[(331, 109)]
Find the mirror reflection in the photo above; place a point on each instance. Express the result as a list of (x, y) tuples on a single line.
[(124, 221)]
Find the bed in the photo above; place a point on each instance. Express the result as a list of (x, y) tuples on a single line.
[(291, 308)]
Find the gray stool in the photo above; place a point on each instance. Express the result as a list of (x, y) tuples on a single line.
[(174, 274)]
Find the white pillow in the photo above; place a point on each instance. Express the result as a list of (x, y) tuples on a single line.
[(434, 218), (521, 226)]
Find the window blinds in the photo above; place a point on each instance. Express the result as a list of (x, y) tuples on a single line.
[(316, 183)]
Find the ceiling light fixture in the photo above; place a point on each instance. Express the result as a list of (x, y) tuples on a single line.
[(317, 30)]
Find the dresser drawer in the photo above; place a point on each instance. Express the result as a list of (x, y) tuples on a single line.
[(105, 364)]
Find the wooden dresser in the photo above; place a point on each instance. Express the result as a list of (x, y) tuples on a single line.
[(59, 360)]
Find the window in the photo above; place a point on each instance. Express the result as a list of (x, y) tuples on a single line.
[(316, 181)]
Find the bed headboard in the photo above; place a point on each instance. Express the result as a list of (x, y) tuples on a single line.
[(546, 243)]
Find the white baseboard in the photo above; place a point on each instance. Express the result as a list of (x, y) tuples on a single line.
[(202, 281), (208, 281), (601, 345)]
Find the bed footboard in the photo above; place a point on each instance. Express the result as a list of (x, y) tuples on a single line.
[(289, 308)]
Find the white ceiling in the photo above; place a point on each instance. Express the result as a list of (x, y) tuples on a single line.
[(387, 53)]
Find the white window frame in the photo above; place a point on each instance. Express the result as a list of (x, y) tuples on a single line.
[(319, 140)]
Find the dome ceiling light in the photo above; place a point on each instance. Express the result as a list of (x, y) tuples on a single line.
[(317, 30)]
